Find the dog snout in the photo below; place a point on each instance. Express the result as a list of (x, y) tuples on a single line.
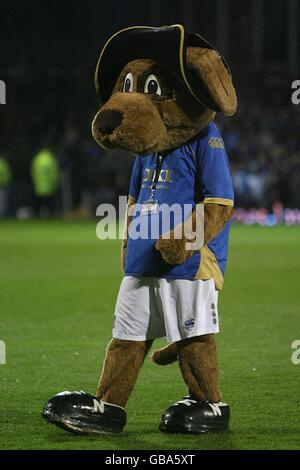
[(108, 121)]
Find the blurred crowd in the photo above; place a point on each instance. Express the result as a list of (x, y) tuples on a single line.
[(50, 164), (263, 144), (51, 139)]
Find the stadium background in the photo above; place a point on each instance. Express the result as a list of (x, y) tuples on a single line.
[(48, 61), (58, 283)]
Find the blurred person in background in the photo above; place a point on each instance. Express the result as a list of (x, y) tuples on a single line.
[(262, 139), (5, 180), (45, 178)]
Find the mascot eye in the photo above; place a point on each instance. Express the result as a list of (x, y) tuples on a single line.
[(152, 85), (128, 83)]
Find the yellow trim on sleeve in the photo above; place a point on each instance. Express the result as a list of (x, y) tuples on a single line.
[(131, 200), (209, 268), (218, 200)]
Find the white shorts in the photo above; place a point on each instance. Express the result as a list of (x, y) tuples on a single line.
[(150, 307)]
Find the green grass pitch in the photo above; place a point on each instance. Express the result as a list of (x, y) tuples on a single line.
[(58, 285)]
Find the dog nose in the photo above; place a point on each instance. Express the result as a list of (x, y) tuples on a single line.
[(108, 121)]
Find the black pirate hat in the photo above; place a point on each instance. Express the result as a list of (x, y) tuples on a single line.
[(166, 45)]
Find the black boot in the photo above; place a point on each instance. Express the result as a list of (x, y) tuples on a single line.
[(82, 413), (194, 416)]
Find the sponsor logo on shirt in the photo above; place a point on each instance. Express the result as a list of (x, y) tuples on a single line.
[(216, 143), (165, 176)]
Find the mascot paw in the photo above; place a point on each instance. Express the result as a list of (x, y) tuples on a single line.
[(172, 250), (81, 413), (190, 416)]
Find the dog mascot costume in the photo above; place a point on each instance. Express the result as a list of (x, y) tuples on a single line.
[(160, 89)]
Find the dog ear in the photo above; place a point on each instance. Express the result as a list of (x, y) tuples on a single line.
[(208, 72)]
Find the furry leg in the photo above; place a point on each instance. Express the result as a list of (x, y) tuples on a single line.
[(198, 365), (122, 364)]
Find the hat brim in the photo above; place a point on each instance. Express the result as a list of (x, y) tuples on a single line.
[(166, 45)]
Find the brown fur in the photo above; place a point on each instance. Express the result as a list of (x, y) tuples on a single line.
[(169, 121), (198, 365), (213, 75), (215, 218), (128, 218), (122, 365), (172, 119), (156, 124), (173, 250)]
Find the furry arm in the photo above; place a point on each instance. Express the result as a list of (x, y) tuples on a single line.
[(174, 251), (127, 221)]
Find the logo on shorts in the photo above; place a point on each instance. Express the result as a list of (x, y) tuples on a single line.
[(188, 324)]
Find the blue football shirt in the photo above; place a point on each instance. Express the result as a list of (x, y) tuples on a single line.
[(205, 158)]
